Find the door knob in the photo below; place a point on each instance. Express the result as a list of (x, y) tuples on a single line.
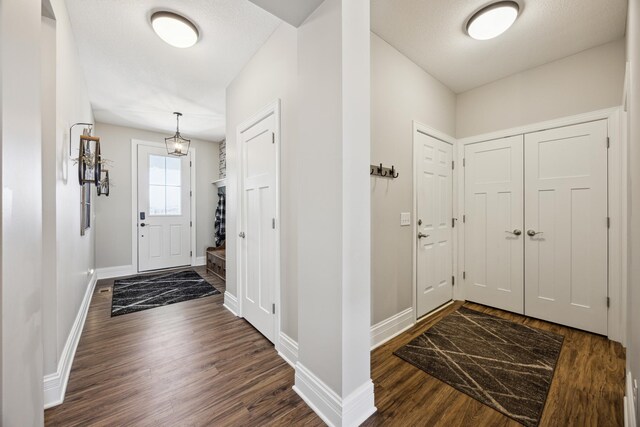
[(532, 233), (515, 232), (242, 234), (142, 224), (421, 235)]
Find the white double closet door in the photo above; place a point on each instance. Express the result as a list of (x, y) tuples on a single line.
[(536, 239)]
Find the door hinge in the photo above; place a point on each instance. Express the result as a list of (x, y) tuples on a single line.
[(453, 280), (608, 302), (608, 142), (464, 218), (453, 164), (190, 163), (190, 193), (453, 222), (464, 274), (190, 253), (273, 308), (190, 223), (464, 162), (273, 223), (608, 222), (273, 137)]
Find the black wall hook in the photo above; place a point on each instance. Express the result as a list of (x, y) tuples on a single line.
[(379, 170)]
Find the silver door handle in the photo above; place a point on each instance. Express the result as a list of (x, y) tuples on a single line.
[(242, 234), (421, 235), (515, 232), (532, 233)]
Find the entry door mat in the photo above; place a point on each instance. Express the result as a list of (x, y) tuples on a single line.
[(144, 292), (505, 365)]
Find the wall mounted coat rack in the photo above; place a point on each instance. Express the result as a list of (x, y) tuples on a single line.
[(379, 170)]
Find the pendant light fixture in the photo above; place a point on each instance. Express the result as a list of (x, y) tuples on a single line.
[(177, 145), (492, 20)]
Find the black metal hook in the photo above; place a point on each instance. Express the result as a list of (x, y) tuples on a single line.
[(381, 172), (394, 174)]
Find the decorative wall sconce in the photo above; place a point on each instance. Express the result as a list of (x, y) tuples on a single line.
[(89, 160)]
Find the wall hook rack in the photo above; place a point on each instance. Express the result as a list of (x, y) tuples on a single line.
[(379, 170)]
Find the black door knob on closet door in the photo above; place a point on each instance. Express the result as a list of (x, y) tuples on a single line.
[(142, 224)]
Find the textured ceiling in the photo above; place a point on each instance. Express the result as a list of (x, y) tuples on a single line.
[(135, 79), (431, 33)]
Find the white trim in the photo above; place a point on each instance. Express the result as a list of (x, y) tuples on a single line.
[(629, 404), (351, 411), (201, 260), (55, 385), (134, 198), (231, 303), (288, 349), (426, 130), (117, 271), (273, 108), (220, 182), (617, 198), (391, 327)]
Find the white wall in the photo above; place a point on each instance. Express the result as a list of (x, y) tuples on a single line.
[(114, 213), (584, 82), (633, 298), (75, 254), (21, 394), (271, 74), (400, 93)]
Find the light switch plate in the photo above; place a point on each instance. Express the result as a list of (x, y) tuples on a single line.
[(405, 218)]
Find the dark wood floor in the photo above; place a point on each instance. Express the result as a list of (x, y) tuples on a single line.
[(194, 363)]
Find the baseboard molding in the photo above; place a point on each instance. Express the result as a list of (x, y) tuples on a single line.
[(201, 260), (288, 349), (334, 411), (390, 328), (231, 303), (117, 271), (55, 385), (629, 404)]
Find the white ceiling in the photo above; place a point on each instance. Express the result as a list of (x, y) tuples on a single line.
[(431, 33), (135, 79)]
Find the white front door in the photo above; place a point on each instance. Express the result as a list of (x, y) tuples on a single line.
[(258, 225), (566, 208), (493, 223), (435, 216), (164, 209)]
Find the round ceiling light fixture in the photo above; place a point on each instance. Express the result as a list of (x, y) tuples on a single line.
[(174, 29), (492, 20)]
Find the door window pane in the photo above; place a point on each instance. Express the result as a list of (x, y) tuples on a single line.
[(165, 192)]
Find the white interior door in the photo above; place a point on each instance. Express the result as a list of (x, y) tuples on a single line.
[(164, 209), (493, 223), (258, 225), (435, 214), (566, 206)]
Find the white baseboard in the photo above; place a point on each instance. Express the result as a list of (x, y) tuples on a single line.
[(393, 326), (117, 271), (336, 412), (231, 303), (55, 385), (629, 404), (201, 260), (288, 349)]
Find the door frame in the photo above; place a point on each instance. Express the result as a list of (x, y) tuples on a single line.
[(271, 109), (135, 143), (617, 204), (429, 131)]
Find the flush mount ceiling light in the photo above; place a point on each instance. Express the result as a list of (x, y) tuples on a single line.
[(177, 145), (174, 29), (492, 20)]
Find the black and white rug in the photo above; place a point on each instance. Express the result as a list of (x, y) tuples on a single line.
[(505, 365), (143, 292)]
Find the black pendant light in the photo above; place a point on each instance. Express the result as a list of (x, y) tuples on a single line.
[(177, 145)]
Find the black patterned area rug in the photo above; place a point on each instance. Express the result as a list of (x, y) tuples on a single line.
[(144, 292), (505, 365)]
